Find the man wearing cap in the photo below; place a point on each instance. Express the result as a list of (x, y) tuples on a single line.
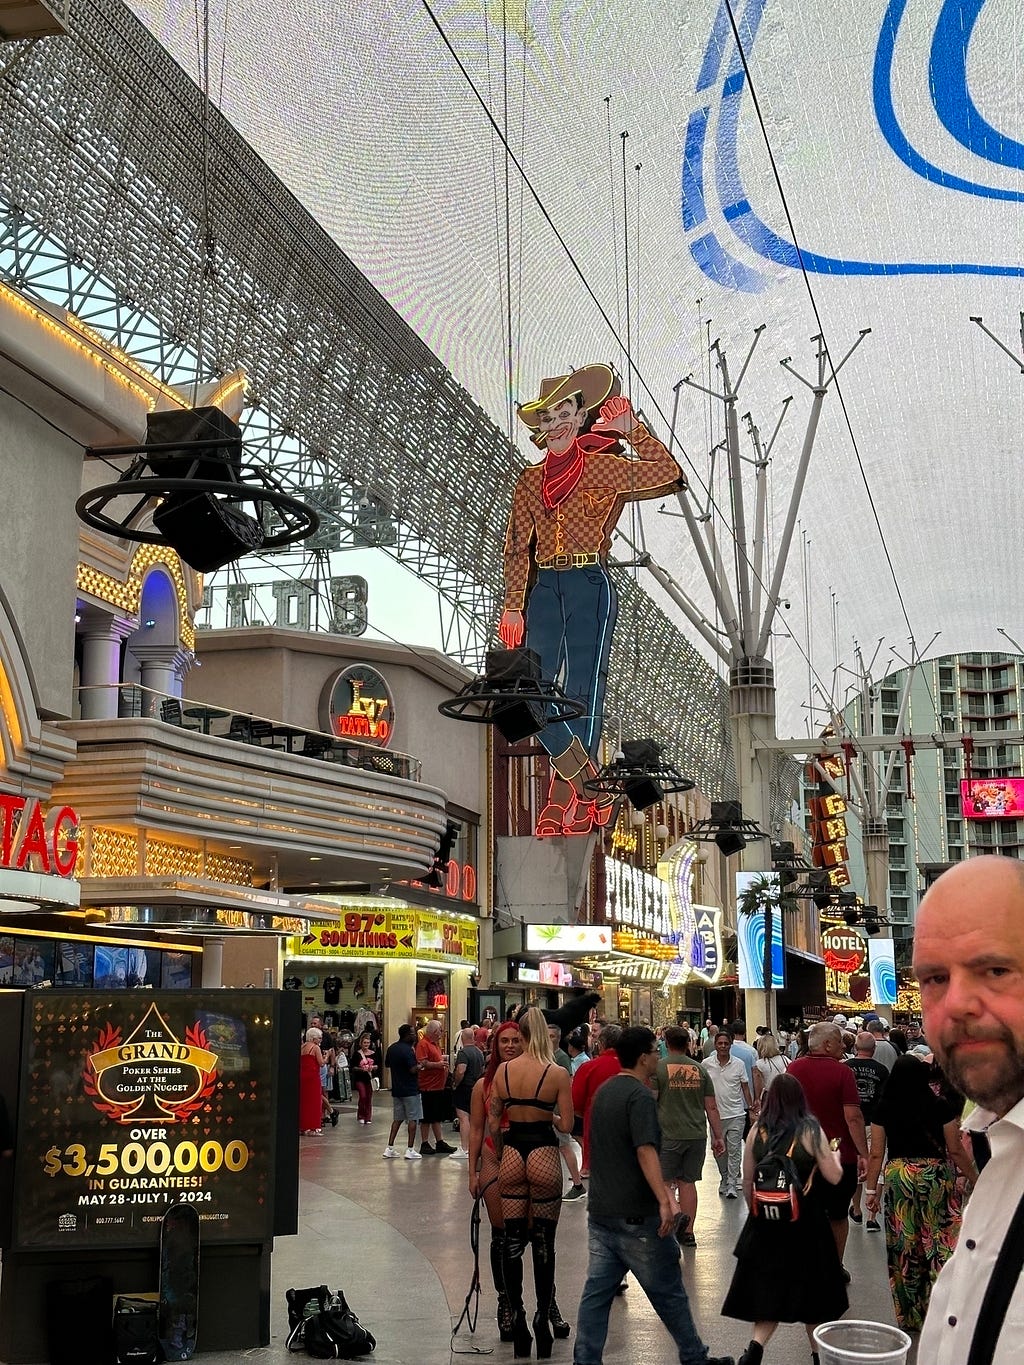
[(557, 588)]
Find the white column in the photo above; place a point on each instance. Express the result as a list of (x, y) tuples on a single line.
[(163, 668), (213, 963), (101, 664)]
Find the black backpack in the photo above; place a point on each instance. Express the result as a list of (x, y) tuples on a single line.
[(324, 1326), (777, 1188)]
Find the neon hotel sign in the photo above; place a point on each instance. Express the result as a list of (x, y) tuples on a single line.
[(33, 842)]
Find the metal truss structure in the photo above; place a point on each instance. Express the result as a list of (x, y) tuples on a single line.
[(105, 210)]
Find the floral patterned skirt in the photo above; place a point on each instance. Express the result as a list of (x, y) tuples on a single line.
[(922, 1223)]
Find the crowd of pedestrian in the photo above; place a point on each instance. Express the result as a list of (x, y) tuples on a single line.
[(843, 1122)]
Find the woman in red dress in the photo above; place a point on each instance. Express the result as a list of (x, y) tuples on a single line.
[(314, 1105)]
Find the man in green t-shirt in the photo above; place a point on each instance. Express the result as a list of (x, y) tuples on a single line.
[(686, 1105)]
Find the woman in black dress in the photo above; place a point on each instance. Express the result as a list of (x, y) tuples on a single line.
[(764, 1289)]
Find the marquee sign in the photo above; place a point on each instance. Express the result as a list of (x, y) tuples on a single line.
[(361, 706), (635, 899), (843, 949), (32, 841)]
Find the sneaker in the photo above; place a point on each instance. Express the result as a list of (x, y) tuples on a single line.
[(443, 1149), (460, 1154), (856, 1217), (846, 1275), (411, 1154), (719, 1360), (687, 1240), (575, 1192), (427, 1150), (872, 1225), (731, 1194), (388, 1153)]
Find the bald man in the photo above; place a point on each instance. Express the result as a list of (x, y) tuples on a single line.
[(969, 961)]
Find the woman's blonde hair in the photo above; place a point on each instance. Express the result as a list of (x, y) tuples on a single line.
[(766, 1047), (534, 1029)]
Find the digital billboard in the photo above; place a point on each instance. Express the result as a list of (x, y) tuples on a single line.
[(882, 963), (992, 798), (750, 936), (134, 1100)]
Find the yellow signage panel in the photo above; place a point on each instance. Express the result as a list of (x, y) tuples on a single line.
[(391, 934)]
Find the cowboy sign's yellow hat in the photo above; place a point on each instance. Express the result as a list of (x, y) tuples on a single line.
[(594, 383)]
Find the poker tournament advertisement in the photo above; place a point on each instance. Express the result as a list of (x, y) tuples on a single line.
[(135, 1101)]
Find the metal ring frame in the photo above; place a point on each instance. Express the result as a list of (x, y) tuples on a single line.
[(299, 520)]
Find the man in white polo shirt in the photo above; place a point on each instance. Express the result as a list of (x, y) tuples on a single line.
[(732, 1094)]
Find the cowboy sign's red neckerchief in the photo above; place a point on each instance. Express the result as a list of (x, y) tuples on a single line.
[(563, 472)]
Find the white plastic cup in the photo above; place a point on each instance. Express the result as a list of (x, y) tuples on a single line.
[(850, 1342)]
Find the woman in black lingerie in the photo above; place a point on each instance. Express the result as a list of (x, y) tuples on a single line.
[(535, 1096)]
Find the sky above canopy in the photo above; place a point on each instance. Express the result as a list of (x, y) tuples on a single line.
[(895, 130)]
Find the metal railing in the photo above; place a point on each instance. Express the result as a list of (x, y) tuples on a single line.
[(135, 702)]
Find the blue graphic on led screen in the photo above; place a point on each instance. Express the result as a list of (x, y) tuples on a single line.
[(750, 940), (711, 178), (882, 965), (696, 929)]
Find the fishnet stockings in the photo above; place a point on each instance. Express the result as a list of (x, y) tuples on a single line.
[(530, 1184)]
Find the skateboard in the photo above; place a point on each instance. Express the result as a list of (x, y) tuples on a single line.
[(178, 1317)]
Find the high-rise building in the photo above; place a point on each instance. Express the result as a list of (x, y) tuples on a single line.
[(953, 699)]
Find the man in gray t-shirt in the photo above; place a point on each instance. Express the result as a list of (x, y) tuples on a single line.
[(632, 1213)]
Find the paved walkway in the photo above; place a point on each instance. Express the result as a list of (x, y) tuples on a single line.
[(395, 1236)]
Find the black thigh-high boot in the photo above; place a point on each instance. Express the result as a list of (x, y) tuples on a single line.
[(542, 1242), (506, 1318), (517, 1232)]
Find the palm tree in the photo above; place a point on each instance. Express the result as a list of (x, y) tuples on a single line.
[(766, 893)]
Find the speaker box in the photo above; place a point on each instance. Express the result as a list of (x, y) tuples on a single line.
[(730, 841), (511, 665), (207, 534), (79, 1329), (194, 424), (642, 791), (726, 812), (519, 720), (640, 753)]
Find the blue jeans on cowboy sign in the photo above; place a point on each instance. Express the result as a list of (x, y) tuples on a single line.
[(570, 617), (620, 1244)]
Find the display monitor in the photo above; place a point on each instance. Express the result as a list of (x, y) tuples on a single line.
[(992, 798)]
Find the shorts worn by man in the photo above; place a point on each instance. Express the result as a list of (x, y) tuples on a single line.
[(969, 961), (632, 1215), (406, 1105), (686, 1105)]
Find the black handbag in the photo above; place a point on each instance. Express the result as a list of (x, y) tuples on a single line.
[(136, 1331)]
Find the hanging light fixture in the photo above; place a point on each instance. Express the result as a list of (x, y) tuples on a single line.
[(726, 828), (640, 774), (512, 696), (190, 477)]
